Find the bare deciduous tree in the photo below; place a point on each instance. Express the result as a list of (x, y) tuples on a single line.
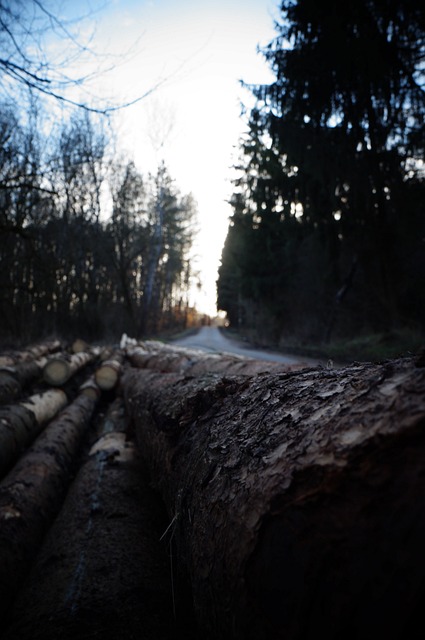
[(44, 52)]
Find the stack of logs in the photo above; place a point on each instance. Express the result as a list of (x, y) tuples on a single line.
[(149, 491)]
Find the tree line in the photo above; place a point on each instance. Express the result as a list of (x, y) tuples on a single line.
[(327, 236), (88, 245)]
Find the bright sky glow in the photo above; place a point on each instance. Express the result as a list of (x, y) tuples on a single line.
[(192, 120)]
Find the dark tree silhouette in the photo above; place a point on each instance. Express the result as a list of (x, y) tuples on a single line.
[(333, 171)]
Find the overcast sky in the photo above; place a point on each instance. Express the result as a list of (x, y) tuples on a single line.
[(202, 48)]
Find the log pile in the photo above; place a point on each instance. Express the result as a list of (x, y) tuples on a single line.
[(32, 493), (158, 492), (67, 580)]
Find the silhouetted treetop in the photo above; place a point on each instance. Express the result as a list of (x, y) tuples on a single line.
[(329, 187)]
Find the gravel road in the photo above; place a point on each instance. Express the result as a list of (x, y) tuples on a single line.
[(211, 339)]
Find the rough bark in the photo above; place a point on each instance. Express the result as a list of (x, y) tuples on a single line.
[(10, 358), (21, 423), (58, 371), (14, 379), (296, 499), (31, 494), (102, 566), (9, 387)]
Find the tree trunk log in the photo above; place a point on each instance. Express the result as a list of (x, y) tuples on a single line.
[(91, 388), (108, 373), (102, 566), (9, 387), (296, 498), (14, 379), (10, 358), (78, 346), (58, 371), (195, 362), (20, 423), (31, 494)]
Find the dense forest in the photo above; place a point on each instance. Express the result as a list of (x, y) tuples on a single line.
[(67, 268), (327, 236), (88, 245)]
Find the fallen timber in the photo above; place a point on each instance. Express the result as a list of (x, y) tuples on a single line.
[(32, 493), (14, 379), (22, 422), (109, 372), (58, 370), (155, 355), (293, 501), (296, 498), (32, 352), (99, 575)]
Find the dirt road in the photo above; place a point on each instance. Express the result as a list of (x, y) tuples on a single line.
[(212, 339)]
